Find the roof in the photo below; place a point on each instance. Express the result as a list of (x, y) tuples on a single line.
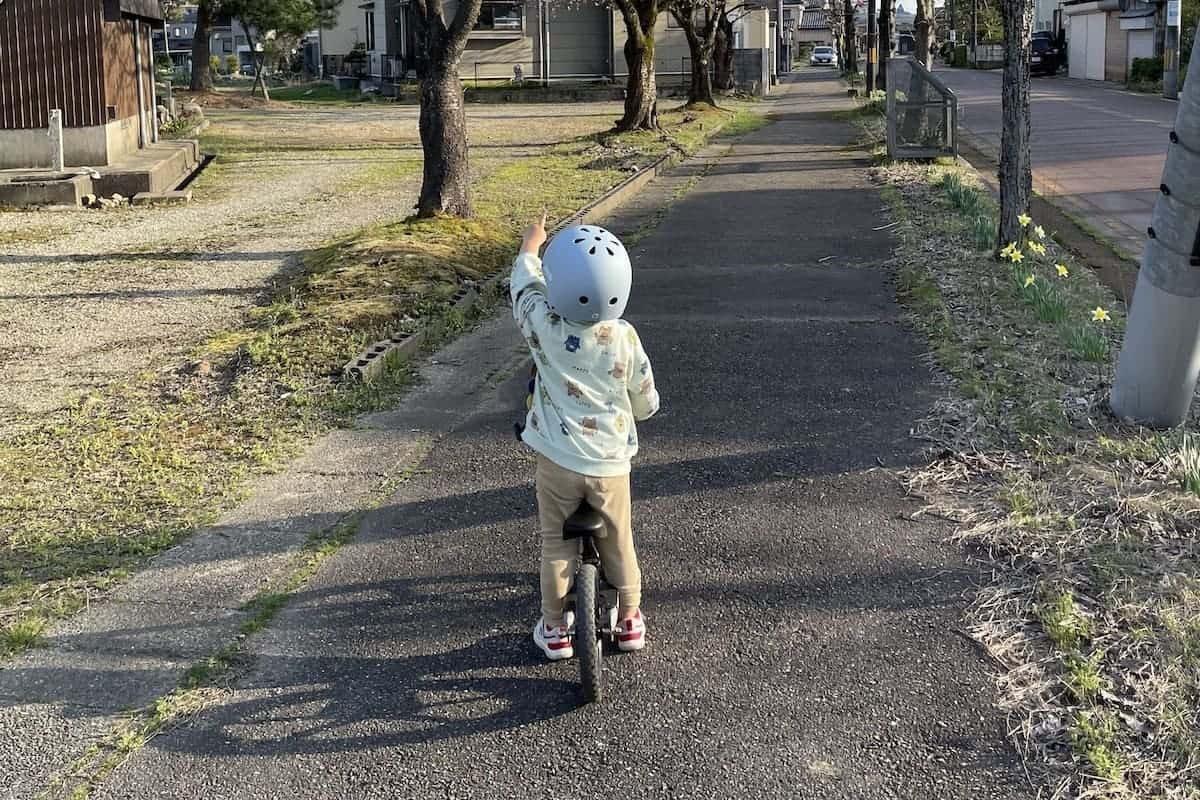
[(143, 9), (1139, 10), (813, 19)]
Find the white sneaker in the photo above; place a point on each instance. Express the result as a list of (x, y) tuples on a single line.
[(554, 642), (631, 633)]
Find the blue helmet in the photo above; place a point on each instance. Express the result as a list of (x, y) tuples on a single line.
[(588, 275)]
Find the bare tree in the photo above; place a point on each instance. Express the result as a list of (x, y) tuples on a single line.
[(923, 31), (723, 46), (641, 91), (699, 20), (202, 80), (443, 123), (1016, 176), (263, 21)]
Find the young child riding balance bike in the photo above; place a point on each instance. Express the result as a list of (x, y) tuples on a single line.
[(593, 384)]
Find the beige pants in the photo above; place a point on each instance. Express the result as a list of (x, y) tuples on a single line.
[(559, 492)]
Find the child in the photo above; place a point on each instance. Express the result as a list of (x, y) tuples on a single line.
[(593, 382)]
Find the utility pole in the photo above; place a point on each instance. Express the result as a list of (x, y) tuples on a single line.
[(1171, 51), (1160, 358), (872, 47), (974, 29)]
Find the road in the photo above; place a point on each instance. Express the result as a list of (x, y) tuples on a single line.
[(801, 623), (1098, 150)]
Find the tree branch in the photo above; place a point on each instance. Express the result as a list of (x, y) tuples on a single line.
[(464, 20)]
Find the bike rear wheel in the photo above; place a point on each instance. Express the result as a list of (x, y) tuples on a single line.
[(587, 636)]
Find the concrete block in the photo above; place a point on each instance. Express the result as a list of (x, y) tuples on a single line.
[(173, 197)]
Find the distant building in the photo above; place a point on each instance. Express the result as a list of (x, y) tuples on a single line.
[(535, 40), (100, 74), (1105, 36)]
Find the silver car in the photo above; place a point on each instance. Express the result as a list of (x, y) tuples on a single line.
[(823, 56)]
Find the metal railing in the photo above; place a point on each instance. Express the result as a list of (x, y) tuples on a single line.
[(922, 113)]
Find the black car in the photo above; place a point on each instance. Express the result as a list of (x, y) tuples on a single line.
[(1046, 56)]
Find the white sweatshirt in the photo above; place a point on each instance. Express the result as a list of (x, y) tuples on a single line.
[(593, 382)]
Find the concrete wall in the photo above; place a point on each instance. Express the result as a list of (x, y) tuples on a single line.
[(95, 146), (579, 44), (672, 57), (340, 39)]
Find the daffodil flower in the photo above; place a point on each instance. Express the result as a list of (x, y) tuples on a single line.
[(1024, 219), (1039, 232), (1016, 256), (1038, 248), (1099, 315), (1029, 281), (1062, 270)]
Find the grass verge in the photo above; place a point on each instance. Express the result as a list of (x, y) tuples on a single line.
[(89, 492), (1087, 525)]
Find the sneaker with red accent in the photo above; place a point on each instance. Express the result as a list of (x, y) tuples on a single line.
[(555, 642), (631, 633)]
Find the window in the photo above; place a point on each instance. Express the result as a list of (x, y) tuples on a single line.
[(498, 16), (241, 41), (370, 30), (226, 45)]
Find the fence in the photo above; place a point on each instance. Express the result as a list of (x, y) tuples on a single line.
[(922, 112)]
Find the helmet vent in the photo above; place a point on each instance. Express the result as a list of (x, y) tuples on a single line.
[(612, 302), (610, 252), (577, 241), (592, 252), (583, 300), (585, 230)]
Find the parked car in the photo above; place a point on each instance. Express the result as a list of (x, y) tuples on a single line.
[(823, 55), (1045, 55)]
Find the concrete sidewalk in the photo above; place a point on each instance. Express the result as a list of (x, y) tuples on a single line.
[(801, 628), (1098, 150)]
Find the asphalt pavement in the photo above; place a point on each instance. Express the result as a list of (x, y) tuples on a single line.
[(1098, 149), (802, 635)]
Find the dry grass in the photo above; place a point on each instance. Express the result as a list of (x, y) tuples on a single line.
[(1088, 526)]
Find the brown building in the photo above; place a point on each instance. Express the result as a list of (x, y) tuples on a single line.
[(90, 58)]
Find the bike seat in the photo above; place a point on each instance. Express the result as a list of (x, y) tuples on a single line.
[(586, 521)]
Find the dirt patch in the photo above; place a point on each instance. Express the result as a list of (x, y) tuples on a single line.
[(231, 99)]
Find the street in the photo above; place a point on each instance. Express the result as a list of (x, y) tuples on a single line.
[(1098, 150)]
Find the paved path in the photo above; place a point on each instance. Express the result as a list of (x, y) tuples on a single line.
[(802, 638), (1098, 150)]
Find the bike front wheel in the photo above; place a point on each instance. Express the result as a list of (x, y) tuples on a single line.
[(587, 635)]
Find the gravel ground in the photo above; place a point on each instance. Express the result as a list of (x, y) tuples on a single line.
[(88, 297)]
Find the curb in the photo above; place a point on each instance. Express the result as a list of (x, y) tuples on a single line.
[(370, 363)]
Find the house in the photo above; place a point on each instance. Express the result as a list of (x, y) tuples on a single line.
[(514, 40), (177, 33), (1105, 36), (98, 70), (814, 27)]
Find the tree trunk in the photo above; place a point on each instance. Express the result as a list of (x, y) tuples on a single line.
[(202, 79), (443, 127), (700, 92), (641, 90), (850, 60), (701, 39), (923, 33), (1016, 176), (1157, 369), (723, 54), (887, 17)]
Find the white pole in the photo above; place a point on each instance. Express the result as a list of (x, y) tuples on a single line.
[(1160, 358), (56, 139)]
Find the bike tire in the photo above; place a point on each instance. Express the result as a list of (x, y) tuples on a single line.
[(587, 637)]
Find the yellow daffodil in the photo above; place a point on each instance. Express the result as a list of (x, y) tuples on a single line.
[(1099, 315), (1016, 256), (1029, 281), (1038, 248), (1024, 219), (1039, 232), (1062, 270)]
